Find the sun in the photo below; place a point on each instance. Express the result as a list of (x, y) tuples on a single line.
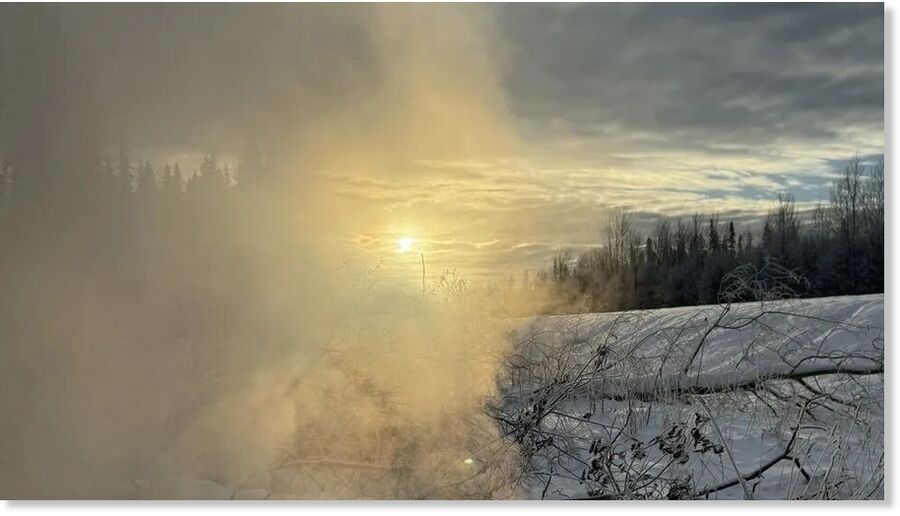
[(405, 244)]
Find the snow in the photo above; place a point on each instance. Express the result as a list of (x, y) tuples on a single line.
[(641, 391), (639, 371)]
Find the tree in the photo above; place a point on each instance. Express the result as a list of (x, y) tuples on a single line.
[(6, 179), (620, 238), (147, 186), (873, 226), (846, 204), (730, 243), (124, 174), (783, 226), (664, 247), (172, 182), (209, 182), (838, 247), (713, 238)]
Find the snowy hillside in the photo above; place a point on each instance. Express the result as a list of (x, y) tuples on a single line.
[(782, 399), (772, 400)]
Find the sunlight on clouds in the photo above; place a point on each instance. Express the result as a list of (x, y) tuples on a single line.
[(444, 151)]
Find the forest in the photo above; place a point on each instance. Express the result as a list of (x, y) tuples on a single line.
[(835, 249)]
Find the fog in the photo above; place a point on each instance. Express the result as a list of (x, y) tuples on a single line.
[(224, 333)]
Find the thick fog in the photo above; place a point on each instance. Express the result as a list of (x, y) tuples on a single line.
[(244, 248), (152, 331)]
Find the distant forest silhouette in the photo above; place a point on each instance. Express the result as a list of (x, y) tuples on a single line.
[(836, 249)]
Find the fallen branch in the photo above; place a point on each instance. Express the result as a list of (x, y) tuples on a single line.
[(743, 479), (748, 383)]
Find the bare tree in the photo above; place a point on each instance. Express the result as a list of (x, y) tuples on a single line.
[(846, 202)]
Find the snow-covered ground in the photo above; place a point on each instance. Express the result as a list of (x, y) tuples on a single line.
[(681, 402), (674, 402)]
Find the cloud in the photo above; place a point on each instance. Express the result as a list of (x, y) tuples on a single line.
[(693, 76), (386, 83), (509, 123)]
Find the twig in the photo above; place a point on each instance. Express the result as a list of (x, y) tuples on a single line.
[(748, 495)]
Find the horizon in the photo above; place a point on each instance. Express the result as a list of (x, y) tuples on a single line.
[(494, 135)]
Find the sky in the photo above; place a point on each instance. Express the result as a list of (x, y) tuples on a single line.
[(490, 136), (477, 137)]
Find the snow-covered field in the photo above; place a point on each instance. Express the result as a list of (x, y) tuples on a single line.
[(779, 400), (775, 400)]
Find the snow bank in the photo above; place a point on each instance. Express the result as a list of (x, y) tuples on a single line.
[(643, 374)]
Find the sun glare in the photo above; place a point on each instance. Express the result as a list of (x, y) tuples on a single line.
[(405, 244)]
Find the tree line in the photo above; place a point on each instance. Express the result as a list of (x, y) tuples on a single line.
[(166, 255), (836, 248), (130, 212)]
